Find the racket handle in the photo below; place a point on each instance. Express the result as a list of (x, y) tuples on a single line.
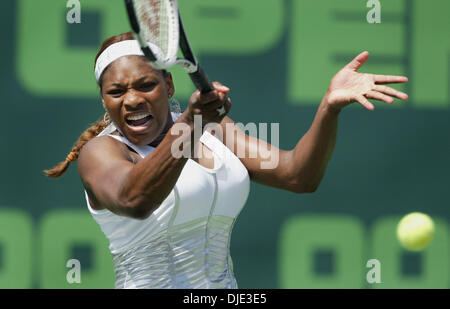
[(201, 80)]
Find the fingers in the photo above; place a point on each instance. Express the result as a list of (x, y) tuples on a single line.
[(359, 60), (385, 94), (209, 104), (221, 88), (391, 91), (379, 96), (213, 101), (226, 108), (390, 79), (364, 102), (380, 93), (217, 110), (219, 93), (209, 97)]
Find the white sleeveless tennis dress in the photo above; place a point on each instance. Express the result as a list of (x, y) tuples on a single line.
[(185, 243)]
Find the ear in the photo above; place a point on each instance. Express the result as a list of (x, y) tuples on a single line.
[(103, 101), (169, 84)]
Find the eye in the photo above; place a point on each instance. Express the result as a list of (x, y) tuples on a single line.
[(147, 86), (115, 92)]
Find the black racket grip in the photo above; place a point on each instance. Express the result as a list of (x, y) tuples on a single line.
[(201, 80)]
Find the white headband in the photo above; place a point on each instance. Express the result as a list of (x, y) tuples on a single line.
[(114, 52)]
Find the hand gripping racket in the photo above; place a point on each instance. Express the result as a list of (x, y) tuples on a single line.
[(158, 28)]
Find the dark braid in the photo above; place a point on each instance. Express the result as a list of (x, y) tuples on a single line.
[(85, 137)]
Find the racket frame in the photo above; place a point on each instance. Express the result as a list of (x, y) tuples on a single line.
[(189, 62)]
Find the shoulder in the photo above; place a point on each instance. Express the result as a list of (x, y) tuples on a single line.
[(102, 151), (102, 145)]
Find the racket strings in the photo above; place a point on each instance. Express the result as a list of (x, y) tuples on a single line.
[(153, 14)]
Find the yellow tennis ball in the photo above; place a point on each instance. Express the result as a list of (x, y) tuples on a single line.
[(415, 231)]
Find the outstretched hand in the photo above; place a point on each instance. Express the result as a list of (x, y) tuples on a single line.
[(349, 86)]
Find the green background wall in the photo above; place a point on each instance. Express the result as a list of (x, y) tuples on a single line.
[(277, 56)]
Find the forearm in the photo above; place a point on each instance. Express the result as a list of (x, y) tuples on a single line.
[(151, 180), (312, 153)]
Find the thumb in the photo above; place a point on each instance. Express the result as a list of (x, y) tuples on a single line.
[(220, 87), (359, 60)]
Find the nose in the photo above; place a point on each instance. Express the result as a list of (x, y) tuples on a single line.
[(132, 99)]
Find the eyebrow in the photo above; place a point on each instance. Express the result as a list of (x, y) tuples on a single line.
[(136, 82)]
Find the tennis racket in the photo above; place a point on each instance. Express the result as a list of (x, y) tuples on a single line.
[(158, 28)]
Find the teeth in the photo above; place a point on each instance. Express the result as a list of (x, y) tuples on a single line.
[(137, 117)]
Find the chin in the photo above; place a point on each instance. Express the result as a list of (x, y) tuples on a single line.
[(142, 139)]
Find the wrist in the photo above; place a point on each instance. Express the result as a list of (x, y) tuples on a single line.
[(186, 117), (328, 107)]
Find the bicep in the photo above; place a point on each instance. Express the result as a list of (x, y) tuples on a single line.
[(103, 168)]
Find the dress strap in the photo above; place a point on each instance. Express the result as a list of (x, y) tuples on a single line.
[(143, 151), (214, 144)]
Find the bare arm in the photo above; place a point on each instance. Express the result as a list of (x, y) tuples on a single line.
[(309, 159), (302, 169), (115, 182), (126, 188), (288, 170)]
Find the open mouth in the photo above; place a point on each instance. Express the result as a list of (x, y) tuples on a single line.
[(139, 120)]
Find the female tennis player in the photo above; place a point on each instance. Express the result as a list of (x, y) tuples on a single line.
[(169, 218)]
